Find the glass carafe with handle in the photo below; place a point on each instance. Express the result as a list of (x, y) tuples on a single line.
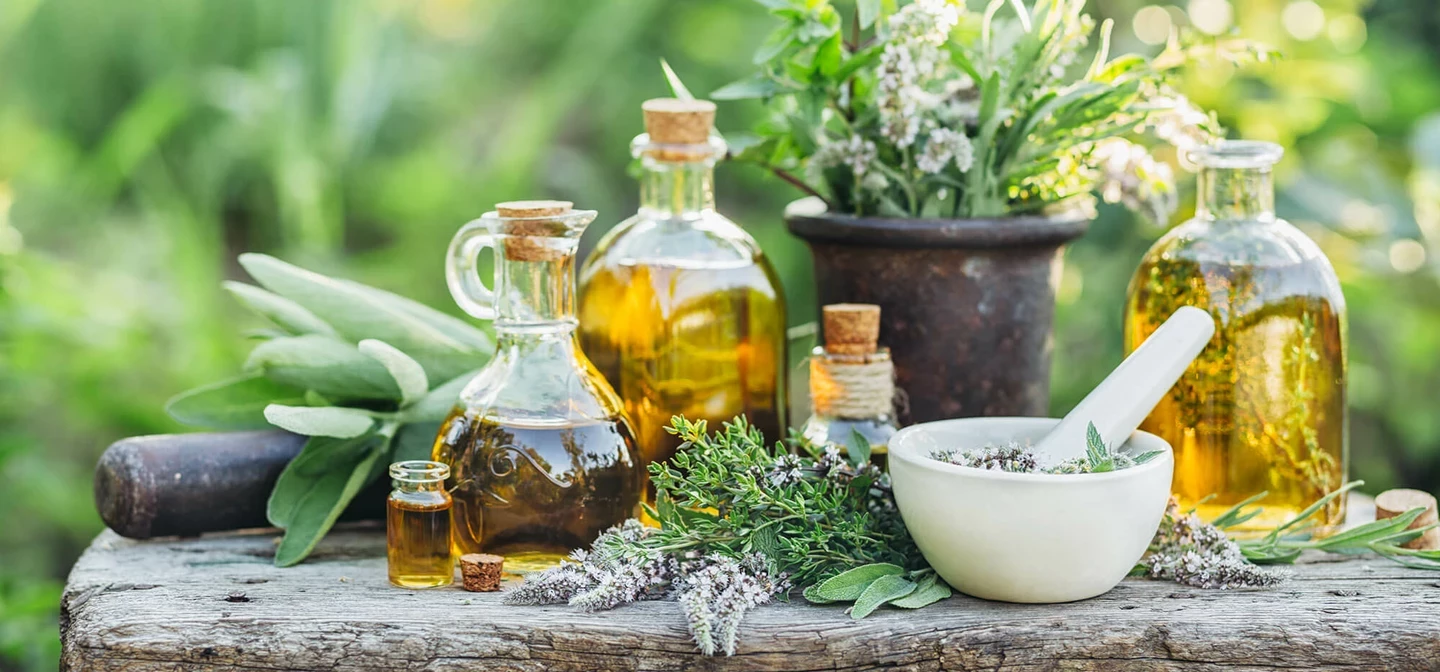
[(1262, 409), (542, 457)]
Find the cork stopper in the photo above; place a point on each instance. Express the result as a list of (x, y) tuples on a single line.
[(673, 121), (480, 572), (851, 328), (1392, 503), (528, 239)]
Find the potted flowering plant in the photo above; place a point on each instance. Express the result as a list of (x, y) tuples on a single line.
[(949, 156)]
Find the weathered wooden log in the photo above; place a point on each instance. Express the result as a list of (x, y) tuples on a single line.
[(188, 484)]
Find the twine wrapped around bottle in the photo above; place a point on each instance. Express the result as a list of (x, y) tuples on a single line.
[(852, 378)]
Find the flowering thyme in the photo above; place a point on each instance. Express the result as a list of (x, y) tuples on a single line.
[(1188, 550), (943, 147)]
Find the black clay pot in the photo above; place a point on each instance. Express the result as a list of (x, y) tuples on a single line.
[(967, 305)]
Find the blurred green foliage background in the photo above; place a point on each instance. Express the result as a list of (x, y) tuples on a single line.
[(144, 143)]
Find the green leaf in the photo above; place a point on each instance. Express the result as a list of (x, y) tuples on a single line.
[(445, 346), (1142, 458), (848, 585), (286, 314), (858, 60), (238, 403), (408, 374), (775, 44), (927, 592), (1095, 446), (322, 503), (316, 459), (439, 402), (333, 421), (330, 367), (827, 57), (754, 87), (858, 450), (677, 87), (868, 11), (415, 441), (884, 589), (812, 595)]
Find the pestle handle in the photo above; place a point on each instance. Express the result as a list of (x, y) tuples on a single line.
[(1121, 401)]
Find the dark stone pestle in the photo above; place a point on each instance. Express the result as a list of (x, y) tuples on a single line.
[(189, 484)]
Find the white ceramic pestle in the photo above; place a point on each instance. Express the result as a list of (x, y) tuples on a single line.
[(1120, 402)]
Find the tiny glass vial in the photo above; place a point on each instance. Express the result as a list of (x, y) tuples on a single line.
[(852, 383), (417, 526)]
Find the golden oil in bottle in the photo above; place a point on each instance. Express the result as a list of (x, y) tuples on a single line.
[(542, 458), (706, 342), (535, 492), (417, 526), (1262, 409), (679, 308)]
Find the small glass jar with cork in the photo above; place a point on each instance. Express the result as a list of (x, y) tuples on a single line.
[(417, 526), (852, 382)]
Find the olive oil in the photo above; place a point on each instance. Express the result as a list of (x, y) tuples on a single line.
[(679, 308), (1262, 409), (677, 338), (535, 492), (417, 526)]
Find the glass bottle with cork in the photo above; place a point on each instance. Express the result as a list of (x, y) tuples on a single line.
[(541, 454), (852, 382), (679, 308), (417, 526), (1263, 406)]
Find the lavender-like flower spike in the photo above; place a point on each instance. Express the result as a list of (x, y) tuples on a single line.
[(716, 596), (556, 585), (1188, 550)]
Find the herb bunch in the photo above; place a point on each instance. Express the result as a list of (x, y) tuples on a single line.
[(741, 522), (924, 109), (366, 374)]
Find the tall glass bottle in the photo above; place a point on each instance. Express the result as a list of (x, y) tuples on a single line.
[(678, 306), (541, 456), (1263, 407)]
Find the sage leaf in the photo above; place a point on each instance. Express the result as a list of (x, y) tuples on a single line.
[(812, 594), (884, 589), (847, 586), (237, 403), (408, 374), (286, 314), (415, 441), (322, 503), (316, 459), (439, 402), (332, 368), (859, 448), (444, 345), (332, 421), (928, 591)]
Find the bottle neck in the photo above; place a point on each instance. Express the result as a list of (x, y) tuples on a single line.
[(1236, 194), (535, 294), (677, 190)]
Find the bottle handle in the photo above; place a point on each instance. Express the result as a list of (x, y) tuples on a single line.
[(462, 273)]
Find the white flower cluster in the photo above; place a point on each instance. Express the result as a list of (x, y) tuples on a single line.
[(944, 146), (908, 62), (1188, 550), (856, 152), (1130, 175), (1180, 122), (716, 596)]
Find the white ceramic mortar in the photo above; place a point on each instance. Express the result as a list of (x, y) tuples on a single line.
[(1025, 537)]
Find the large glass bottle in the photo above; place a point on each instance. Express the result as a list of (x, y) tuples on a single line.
[(541, 456), (678, 306), (1263, 407)]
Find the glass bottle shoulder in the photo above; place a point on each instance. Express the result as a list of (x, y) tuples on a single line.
[(709, 241), (1262, 243), (539, 382)]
